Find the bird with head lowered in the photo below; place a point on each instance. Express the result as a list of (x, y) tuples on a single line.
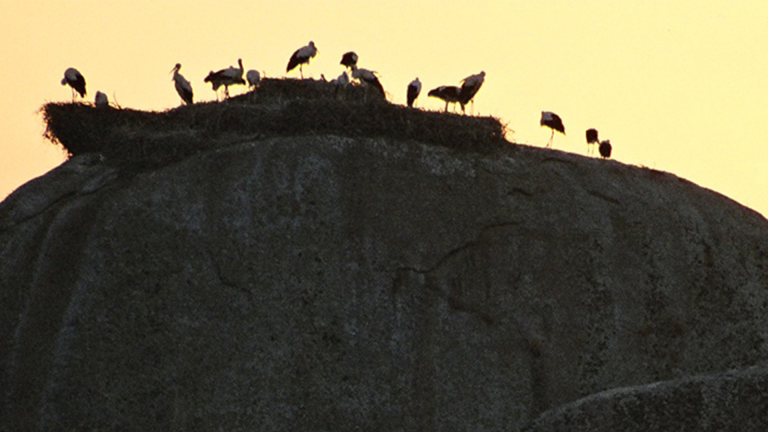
[(74, 79), (552, 121)]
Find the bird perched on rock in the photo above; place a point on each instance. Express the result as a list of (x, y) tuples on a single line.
[(226, 77), (300, 57), (591, 139), (605, 149), (254, 78), (74, 79), (349, 59), (101, 100), (469, 88), (183, 87), (369, 78), (449, 94), (414, 88), (552, 121), (341, 82)]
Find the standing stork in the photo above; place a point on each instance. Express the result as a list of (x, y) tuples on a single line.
[(226, 77), (349, 59), (591, 139), (469, 88), (449, 94), (254, 78), (368, 77), (414, 88), (552, 121), (75, 80), (605, 149), (101, 100), (301, 56), (183, 87)]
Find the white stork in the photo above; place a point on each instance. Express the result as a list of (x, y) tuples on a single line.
[(349, 59), (254, 78), (342, 80), (414, 88), (226, 77), (449, 94), (552, 121), (591, 139), (183, 87), (101, 100), (341, 83), (75, 80), (369, 78), (605, 149), (469, 88), (301, 56)]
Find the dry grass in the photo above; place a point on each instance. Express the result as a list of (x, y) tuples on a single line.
[(279, 107)]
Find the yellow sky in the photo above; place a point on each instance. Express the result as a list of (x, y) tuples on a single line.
[(676, 85)]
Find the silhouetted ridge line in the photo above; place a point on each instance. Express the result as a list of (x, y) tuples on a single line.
[(279, 107)]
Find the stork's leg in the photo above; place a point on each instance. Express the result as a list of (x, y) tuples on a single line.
[(446, 106), (73, 94), (549, 143), (301, 71)]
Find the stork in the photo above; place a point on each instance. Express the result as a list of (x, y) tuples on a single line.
[(253, 77), (75, 80), (101, 100), (301, 56), (226, 77), (469, 88), (591, 139), (349, 59), (340, 83), (605, 149), (183, 87), (449, 94), (369, 78), (552, 121), (414, 88), (341, 80)]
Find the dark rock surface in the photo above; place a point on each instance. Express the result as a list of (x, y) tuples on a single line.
[(732, 401), (329, 283)]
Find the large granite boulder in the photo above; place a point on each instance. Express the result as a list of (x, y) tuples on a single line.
[(329, 283)]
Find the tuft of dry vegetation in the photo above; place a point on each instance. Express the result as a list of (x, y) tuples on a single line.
[(279, 107)]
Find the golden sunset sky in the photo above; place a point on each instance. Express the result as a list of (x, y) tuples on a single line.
[(676, 85)]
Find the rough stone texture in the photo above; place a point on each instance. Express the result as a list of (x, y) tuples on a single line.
[(326, 283), (733, 401)]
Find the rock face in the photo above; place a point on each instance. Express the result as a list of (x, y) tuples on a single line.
[(330, 283)]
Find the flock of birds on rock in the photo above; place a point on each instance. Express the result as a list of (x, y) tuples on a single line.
[(234, 76)]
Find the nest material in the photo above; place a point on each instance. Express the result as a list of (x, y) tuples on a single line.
[(279, 107)]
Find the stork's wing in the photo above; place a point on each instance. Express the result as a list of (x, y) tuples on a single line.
[(293, 62)]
